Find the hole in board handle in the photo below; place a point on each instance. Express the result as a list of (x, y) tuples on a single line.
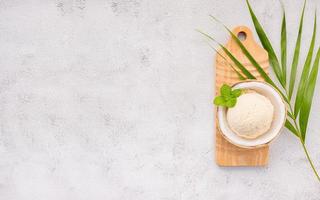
[(242, 36)]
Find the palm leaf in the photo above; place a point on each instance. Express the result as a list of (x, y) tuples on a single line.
[(240, 76), (236, 62), (308, 96), (295, 60), (252, 60), (289, 126), (291, 116), (247, 54), (250, 57), (284, 46), (305, 71), (267, 45), (264, 75)]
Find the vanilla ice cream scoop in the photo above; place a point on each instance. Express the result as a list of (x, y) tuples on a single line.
[(252, 115)]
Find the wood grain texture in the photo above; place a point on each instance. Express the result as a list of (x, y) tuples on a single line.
[(228, 154)]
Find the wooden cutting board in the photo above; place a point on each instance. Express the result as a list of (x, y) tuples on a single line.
[(228, 154)]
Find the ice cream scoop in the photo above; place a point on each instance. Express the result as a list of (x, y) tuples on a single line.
[(252, 115)]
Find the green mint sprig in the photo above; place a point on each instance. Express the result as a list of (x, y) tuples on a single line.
[(228, 96)]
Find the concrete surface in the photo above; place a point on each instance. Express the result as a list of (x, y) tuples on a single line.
[(113, 100)]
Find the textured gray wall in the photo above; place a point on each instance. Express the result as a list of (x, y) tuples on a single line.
[(113, 100)]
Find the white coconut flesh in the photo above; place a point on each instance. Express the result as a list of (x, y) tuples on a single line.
[(252, 115)]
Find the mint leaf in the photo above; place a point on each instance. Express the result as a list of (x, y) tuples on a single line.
[(219, 101), (236, 92), (231, 103), (228, 96), (225, 90)]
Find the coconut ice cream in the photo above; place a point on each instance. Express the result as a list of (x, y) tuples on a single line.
[(252, 115)]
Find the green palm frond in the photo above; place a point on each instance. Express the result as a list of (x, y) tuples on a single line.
[(305, 71), (296, 54), (240, 76), (283, 42), (308, 96), (267, 45), (232, 57), (258, 67)]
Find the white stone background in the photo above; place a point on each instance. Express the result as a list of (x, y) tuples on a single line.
[(112, 99)]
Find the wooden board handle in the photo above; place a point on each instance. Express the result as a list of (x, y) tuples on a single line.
[(245, 32)]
